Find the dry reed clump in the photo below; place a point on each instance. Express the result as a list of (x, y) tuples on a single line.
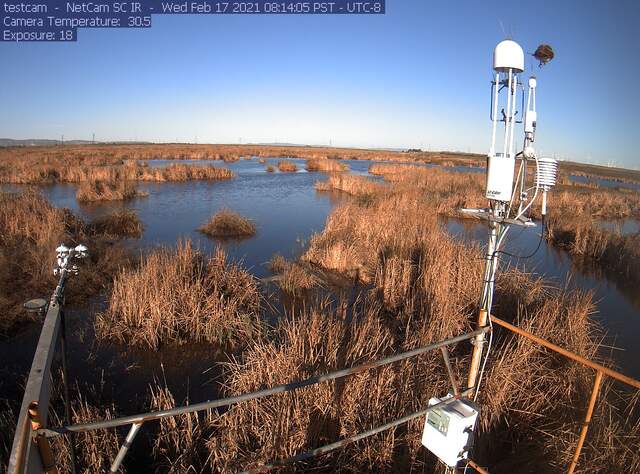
[(180, 443), (281, 426), (358, 186), (325, 164), (7, 428), (95, 450), (122, 223), (180, 172), (66, 167), (603, 204), (228, 224), (89, 191), (179, 295), (294, 277), (278, 263), (287, 166), (382, 169), (587, 242), (447, 191), (270, 169)]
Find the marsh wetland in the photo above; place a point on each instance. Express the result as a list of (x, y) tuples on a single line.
[(371, 256)]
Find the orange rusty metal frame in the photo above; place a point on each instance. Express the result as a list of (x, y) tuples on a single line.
[(475, 466), (601, 370)]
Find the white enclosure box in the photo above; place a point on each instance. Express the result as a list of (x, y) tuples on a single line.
[(500, 170), (447, 430), (530, 121)]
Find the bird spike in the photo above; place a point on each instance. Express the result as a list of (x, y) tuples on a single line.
[(544, 54)]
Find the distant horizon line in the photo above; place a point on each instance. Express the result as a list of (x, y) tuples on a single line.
[(9, 142)]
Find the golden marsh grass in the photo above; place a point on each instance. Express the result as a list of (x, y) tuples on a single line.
[(228, 224), (178, 295)]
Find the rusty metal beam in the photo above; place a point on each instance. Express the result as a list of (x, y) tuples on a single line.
[(587, 419), (584, 361), (478, 468), (43, 444), (478, 348)]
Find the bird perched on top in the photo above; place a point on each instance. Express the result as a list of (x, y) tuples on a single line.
[(544, 54)]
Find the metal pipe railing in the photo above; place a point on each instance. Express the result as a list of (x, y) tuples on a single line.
[(32, 431), (136, 421), (584, 361), (585, 426), (223, 402), (343, 442), (600, 371)]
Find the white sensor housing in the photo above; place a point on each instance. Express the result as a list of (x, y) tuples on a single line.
[(508, 55), (447, 430), (500, 171), (547, 173), (530, 121)]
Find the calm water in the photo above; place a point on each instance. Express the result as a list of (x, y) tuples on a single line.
[(604, 183), (617, 302), (287, 210), (621, 226), (285, 207)]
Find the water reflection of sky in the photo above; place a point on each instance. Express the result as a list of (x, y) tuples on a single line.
[(621, 226), (285, 207), (604, 183)]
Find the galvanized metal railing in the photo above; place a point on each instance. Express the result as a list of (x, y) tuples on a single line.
[(43, 433)]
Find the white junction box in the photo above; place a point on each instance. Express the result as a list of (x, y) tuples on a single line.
[(500, 171), (448, 429)]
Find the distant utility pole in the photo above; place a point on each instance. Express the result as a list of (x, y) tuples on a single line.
[(93, 139), (62, 140)]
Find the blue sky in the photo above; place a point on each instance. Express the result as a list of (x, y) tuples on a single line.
[(415, 77)]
